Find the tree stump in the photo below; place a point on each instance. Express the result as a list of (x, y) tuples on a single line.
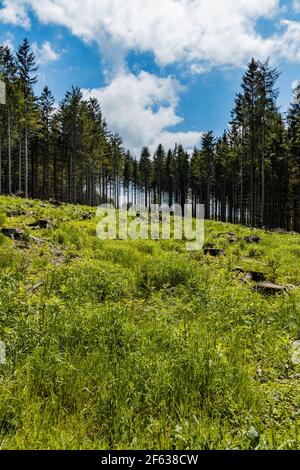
[(87, 216), (14, 234), (55, 203), (252, 239), (214, 252), (256, 276), (42, 223)]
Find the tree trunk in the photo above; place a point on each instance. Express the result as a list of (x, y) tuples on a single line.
[(9, 150)]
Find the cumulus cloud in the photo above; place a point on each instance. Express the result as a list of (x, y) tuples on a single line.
[(142, 108), (197, 34), (45, 53), (210, 31)]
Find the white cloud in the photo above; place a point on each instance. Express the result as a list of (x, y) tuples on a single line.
[(45, 53), (8, 41), (142, 108), (196, 31), (288, 46), (197, 34), (296, 6), (15, 12)]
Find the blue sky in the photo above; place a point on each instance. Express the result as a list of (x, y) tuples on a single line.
[(163, 70)]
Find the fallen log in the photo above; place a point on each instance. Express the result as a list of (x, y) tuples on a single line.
[(268, 288)]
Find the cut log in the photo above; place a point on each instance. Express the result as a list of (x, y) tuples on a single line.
[(214, 252)]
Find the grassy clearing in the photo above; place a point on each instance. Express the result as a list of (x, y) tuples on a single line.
[(142, 344)]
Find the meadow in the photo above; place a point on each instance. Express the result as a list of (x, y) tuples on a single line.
[(142, 344)]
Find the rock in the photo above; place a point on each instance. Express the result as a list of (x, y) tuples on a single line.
[(269, 288), (14, 234), (253, 436), (296, 352), (252, 239), (214, 251), (42, 223)]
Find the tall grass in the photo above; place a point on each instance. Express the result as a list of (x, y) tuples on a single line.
[(124, 344)]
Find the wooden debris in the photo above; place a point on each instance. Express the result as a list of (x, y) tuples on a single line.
[(39, 241)]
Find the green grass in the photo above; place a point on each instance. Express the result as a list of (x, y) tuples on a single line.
[(141, 344)]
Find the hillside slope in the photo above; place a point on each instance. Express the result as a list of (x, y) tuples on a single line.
[(142, 344)]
